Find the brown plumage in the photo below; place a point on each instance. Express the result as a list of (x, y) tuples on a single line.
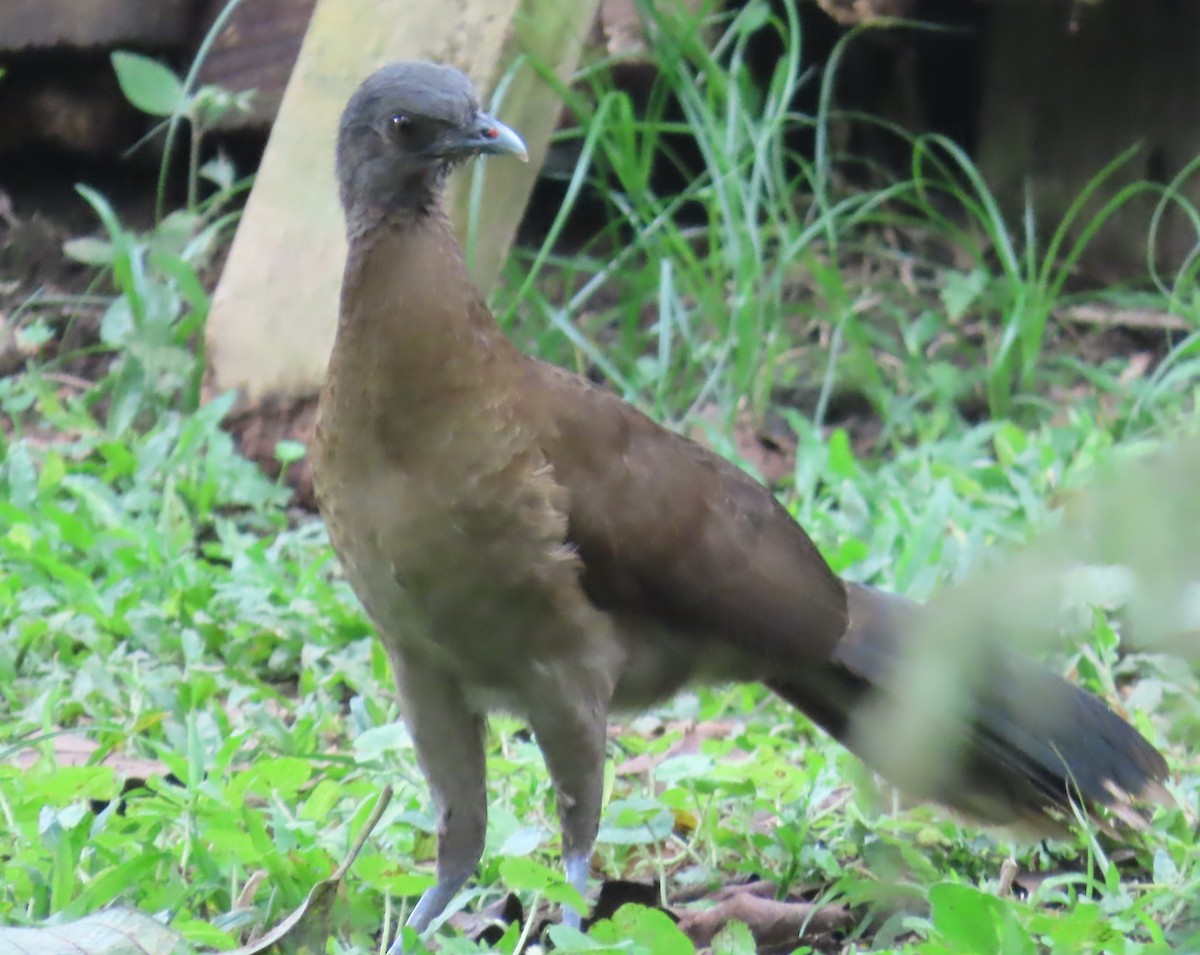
[(526, 541)]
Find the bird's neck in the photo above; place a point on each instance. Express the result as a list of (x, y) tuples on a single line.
[(407, 297), (414, 340), (403, 204)]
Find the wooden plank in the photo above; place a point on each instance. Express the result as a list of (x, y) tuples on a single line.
[(256, 51), (44, 23), (853, 12), (1067, 89), (258, 48), (76, 107), (273, 315)]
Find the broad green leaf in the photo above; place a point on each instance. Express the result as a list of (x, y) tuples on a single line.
[(522, 873), (734, 939), (651, 928), (111, 932), (523, 841), (89, 251), (841, 455), (379, 740), (961, 290), (283, 774), (147, 84)]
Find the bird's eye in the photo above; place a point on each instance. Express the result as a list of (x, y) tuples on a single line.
[(400, 124)]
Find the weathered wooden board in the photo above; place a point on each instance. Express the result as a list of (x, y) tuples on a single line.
[(45, 23), (274, 312), (256, 50), (259, 43), (1068, 88)]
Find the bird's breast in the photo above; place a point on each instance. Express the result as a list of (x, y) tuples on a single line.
[(465, 567)]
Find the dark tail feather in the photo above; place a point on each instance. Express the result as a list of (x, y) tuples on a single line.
[(1023, 746)]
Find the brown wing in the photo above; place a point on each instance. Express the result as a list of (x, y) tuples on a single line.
[(669, 530)]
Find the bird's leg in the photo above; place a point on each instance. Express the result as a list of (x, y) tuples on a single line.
[(575, 866), (572, 741), (448, 738)]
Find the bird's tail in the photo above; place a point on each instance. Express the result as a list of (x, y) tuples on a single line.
[(1000, 737)]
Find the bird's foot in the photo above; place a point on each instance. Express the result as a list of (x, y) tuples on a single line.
[(431, 905), (576, 867), (397, 946)]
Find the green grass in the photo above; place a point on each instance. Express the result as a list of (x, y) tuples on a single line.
[(159, 600)]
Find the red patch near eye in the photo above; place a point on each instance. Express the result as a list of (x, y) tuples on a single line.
[(491, 132)]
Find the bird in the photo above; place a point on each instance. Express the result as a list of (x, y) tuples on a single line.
[(526, 541)]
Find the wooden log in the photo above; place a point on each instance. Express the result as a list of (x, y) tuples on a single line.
[(274, 312), (1067, 89), (26, 24)]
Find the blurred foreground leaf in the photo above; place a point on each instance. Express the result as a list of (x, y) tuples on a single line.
[(111, 932), (1128, 545)]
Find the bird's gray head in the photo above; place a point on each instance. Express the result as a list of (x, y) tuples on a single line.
[(403, 129)]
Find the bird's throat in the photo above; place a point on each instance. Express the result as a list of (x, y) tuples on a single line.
[(407, 298), (414, 342)]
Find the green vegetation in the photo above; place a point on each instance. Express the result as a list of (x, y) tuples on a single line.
[(159, 600)]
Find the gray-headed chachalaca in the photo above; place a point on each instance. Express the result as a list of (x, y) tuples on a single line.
[(528, 542)]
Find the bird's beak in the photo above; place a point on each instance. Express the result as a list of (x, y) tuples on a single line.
[(486, 134)]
